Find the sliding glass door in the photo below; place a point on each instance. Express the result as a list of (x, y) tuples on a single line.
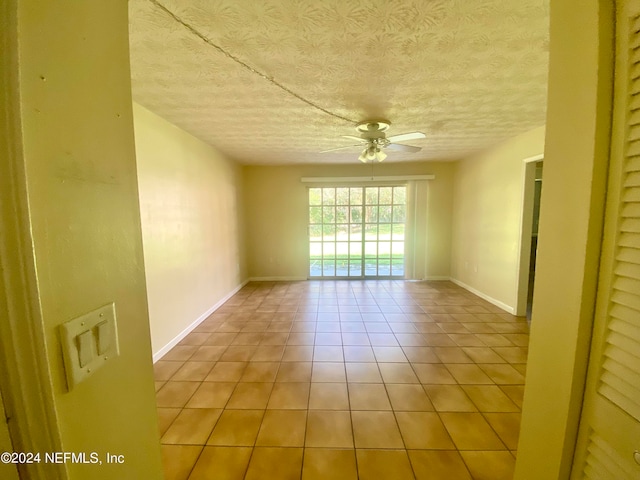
[(357, 232)]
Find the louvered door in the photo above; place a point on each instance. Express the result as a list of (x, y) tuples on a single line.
[(609, 437)]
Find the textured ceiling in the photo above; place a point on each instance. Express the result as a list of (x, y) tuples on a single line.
[(278, 81)]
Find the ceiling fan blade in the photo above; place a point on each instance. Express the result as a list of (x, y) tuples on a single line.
[(403, 148), (353, 137), (340, 148), (403, 137)]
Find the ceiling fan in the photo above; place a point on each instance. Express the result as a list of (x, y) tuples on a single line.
[(374, 139)]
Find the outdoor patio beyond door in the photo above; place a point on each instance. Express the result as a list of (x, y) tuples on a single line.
[(357, 231)]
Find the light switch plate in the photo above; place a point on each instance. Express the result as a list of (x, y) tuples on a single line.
[(88, 342)]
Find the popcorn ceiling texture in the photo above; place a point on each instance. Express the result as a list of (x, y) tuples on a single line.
[(467, 73)]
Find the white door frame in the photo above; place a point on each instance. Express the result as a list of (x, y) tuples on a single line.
[(526, 230), (25, 377)]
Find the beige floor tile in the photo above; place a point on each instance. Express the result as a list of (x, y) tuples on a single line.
[(494, 340), (332, 327), (375, 430), (163, 370), (193, 371), (438, 465), (470, 431), (438, 340), (221, 338), (423, 430), (165, 417), (268, 353), (328, 353), (192, 426), (208, 353), (327, 428), (503, 374), (360, 372), (389, 354), (421, 354), (301, 338), (353, 326), (250, 396), (176, 394), (433, 374), (355, 338), (328, 338), (274, 338), (449, 398), (489, 398), (282, 428), (383, 340), (408, 397), (287, 395), (328, 372), (328, 396), (158, 385), (180, 353), (514, 392), (325, 463), (221, 463), (178, 460), (195, 338), (275, 463), (452, 355), (211, 395), (490, 465), (226, 372), (298, 353), (482, 355), (294, 372), (247, 338), (468, 374), (453, 327), (397, 373), (368, 396), (237, 428), (507, 426), (510, 354), (384, 465), (238, 353), (260, 372), (354, 353), (467, 339)]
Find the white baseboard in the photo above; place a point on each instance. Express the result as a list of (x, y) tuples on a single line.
[(277, 279), (484, 296), (164, 350), (436, 278)]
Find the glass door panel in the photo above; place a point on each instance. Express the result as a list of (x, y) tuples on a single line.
[(356, 231)]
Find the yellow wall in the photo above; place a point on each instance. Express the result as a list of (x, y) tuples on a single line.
[(576, 154), (82, 192), (189, 202), (487, 206), (276, 214)]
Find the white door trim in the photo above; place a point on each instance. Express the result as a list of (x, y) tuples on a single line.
[(24, 371)]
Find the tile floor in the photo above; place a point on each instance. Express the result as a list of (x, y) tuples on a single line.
[(345, 380)]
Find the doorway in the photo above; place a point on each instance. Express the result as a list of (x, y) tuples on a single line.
[(357, 232), (532, 195)]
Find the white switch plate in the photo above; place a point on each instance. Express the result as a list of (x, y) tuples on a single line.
[(84, 337)]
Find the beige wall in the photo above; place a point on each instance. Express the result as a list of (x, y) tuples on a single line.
[(189, 202), (276, 214), (487, 206), (576, 155), (82, 192)]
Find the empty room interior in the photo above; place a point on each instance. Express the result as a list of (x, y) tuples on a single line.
[(321, 240)]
